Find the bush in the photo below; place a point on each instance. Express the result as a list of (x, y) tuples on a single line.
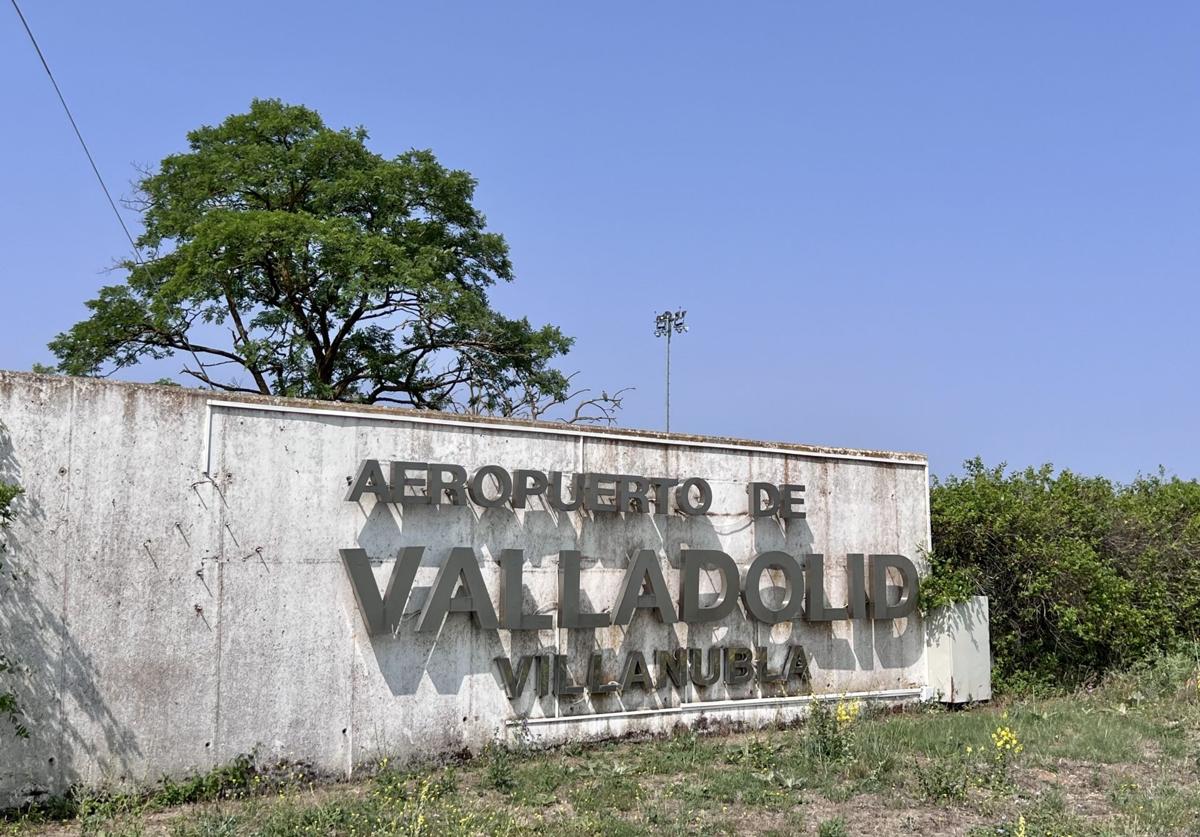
[(1083, 575)]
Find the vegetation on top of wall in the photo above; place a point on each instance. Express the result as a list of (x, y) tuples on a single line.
[(1083, 575)]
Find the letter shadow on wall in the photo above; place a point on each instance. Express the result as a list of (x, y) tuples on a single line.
[(609, 546), (461, 649), (895, 644)]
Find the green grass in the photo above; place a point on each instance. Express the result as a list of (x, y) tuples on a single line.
[(1123, 759)]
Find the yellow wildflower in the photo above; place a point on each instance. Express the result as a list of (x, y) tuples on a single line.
[(847, 713), (1006, 741)]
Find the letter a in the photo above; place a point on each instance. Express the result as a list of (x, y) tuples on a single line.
[(473, 598)]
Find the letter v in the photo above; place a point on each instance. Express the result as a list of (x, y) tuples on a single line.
[(381, 615), (514, 683)]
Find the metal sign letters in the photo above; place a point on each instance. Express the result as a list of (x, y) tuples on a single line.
[(460, 587)]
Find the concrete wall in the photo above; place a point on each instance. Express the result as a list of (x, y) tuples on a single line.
[(174, 593), (959, 651)]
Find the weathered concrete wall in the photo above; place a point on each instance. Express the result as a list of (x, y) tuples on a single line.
[(175, 596), (959, 651)]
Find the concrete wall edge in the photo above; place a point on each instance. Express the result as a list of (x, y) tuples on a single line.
[(715, 706), (554, 429)]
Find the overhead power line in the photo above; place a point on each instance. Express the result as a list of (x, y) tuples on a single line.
[(78, 134)]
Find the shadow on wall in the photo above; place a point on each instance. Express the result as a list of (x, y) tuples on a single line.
[(52, 676), (461, 649)]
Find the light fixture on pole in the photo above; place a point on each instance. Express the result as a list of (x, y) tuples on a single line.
[(665, 324)]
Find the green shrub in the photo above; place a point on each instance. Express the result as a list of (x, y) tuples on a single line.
[(947, 584), (1083, 575)]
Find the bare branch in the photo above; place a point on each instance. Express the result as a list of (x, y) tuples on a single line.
[(200, 376), (531, 404), (599, 410)]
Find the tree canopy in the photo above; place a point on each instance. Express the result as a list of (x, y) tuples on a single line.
[(285, 257)]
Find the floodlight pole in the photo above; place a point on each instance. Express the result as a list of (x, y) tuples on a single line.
[(664, 324), (668, 380)]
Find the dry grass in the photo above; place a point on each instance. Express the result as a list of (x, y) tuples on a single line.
[(1121, 760)]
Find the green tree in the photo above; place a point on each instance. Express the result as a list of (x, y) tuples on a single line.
[(287, 258)]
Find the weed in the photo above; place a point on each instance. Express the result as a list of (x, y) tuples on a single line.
[(536, 782), (498, 768), (230, 781), (944, 779), (607, 794), (1156, 809), (835, 827), (1005, 749), (756, 753), (830, 731), (709, 784)]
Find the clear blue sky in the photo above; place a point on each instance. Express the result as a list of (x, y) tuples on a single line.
[(934, 227)]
